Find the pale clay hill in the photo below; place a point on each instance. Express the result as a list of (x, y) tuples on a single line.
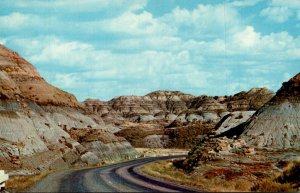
[(277, 123), (37, 119), (269, 137)]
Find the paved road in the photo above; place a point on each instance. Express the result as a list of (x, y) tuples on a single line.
[(123, 177)]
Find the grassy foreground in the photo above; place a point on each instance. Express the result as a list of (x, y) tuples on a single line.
[(165, 170), (286, 181), (21, 183)]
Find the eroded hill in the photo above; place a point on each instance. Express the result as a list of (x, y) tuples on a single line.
[(37, 120), (175, 119)]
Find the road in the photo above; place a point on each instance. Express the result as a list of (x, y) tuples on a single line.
[(122, 177)]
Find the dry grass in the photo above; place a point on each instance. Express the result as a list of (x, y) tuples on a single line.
[(269, 185), (217, 179), (153, 152), (21, 183), (287, 181), (165, 170)]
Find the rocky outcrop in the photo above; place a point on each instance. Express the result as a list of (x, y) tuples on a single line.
[(276, 124), (208, 150), (35, 118)]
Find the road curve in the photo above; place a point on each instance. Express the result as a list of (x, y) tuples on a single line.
[(122, 177)]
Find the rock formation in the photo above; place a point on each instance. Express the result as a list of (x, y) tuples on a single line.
[(171, 105), (35, 118), (169, 110), (277, 123)]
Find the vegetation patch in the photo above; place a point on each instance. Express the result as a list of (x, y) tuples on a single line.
[(287, 181), (228, 176), (216, 183), (22, 182)]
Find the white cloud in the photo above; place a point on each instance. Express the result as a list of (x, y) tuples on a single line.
[(16, 20), (247, 38), (137, 24), (289, 3), (205, 21), (64, 53), (281, 10), (21, 23), (44, 17), (277, 14)]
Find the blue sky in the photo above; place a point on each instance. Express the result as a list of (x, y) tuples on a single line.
[(107, 48)]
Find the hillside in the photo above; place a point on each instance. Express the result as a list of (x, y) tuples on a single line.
[(37, 119), (276, 124)]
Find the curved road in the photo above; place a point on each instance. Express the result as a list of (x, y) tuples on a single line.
[(122, 177)]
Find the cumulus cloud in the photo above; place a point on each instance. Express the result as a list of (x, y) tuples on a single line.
[(289, 3), (281, 10), (277, 14), (16, 20), (247, 38), (138, 24), (205, 21), (67, 53)]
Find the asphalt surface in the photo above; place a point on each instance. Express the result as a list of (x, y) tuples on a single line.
[(122, 177)]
